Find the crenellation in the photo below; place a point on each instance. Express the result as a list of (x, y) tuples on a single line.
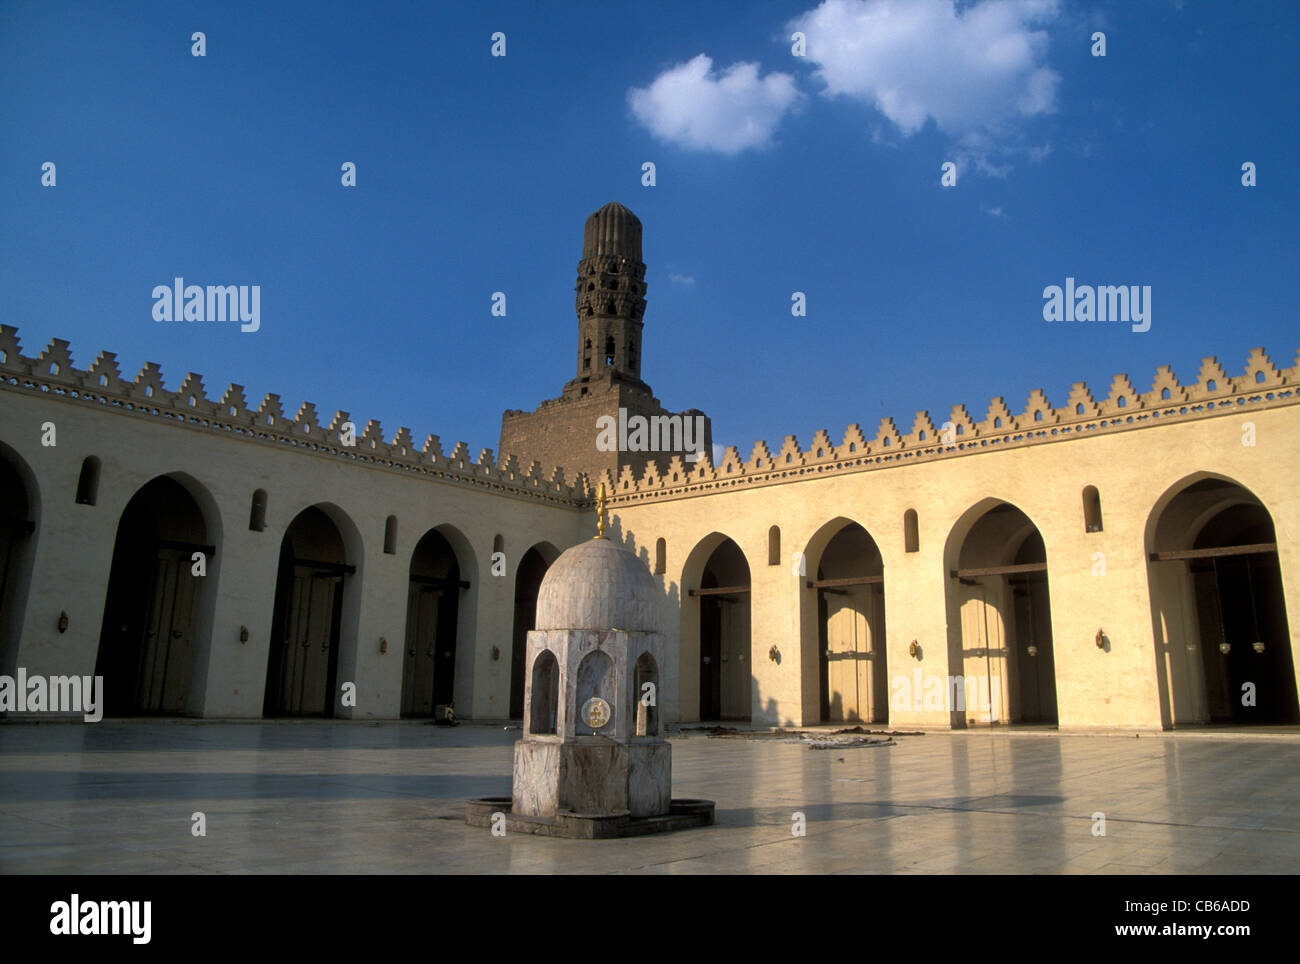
[(887, 436), (1121, 388), (790, 454), (105, 367), (1259, 363), (146, 393), (1038, 409), (963, 425), (11, 353), (55, 359), (676, 471), (306, 421), (269, 413), (1213, 374), (1165, 380), (855, 443), (998, 419), (148, 384), (923, 431), (760, 459), (650, 478), (820, 449), (603, 479), (1079, 395), (233, 404), (731, 464), (1123, 407)]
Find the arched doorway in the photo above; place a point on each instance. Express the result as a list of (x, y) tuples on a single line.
[(1218, 609), (999, 619), (849, 582), (725, 688), (302, 675), (148, 641), (432, 617), (17, 546), (528, 580)]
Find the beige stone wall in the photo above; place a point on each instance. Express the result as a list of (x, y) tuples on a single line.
[(1137, 455), (1133, 471), (74, 550)]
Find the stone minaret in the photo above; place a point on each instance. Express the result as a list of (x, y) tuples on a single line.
[(610, 301)]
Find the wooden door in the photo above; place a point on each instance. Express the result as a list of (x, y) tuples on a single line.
[(421, 654), (710, 658), (310, 639), (848, 652), (167, 653)]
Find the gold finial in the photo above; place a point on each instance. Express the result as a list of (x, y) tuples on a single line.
[(600, 513)]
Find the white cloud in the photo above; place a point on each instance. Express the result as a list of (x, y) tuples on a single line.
[(993, 212), (682, 279), (692, 106), (975, 71)]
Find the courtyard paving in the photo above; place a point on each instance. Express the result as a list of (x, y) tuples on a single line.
[(341, 797)]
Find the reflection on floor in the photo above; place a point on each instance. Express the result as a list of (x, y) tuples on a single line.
[(322, 797)]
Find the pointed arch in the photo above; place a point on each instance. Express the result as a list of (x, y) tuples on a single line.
[(1224, 652), (438, 657), (529, 572), (313, 639), (20, 512), (715, 625), (843, 652), (1000, 648), (156, 629)]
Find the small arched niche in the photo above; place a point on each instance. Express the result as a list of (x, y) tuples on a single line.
[(595, 678), (257, 512), (911, 533), (1091, 509), (645, 692), (545, 694), (88, 481), (774, 546)]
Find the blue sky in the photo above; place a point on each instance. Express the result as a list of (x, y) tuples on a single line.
[(818, 174)]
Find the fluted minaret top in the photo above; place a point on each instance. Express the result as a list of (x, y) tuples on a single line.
[(613, 230)]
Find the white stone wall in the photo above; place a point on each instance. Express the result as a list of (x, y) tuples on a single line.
[(74, 550)]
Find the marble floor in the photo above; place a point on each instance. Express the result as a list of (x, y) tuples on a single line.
[(339, 797)]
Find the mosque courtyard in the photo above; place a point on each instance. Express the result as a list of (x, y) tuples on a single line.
[(345, 797)]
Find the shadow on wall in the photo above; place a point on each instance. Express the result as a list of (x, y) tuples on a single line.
[(761, 710)]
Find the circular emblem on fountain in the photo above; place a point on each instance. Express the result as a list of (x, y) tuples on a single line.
[(595, 712)]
